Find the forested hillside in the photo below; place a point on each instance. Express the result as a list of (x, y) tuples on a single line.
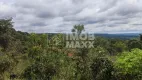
[(31, 56)]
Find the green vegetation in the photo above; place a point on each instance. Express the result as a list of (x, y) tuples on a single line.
[(129, 64), (31, 56)]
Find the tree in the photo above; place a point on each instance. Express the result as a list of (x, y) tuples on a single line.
[(81, 59), (5, 32), (129, 65), (78, 28), (6, 64), (140, 37), (134, 44), (116, 46), (5, 25), (102, 69)]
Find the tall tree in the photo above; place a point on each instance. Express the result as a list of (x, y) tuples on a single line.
[(6, 32), (78, 28)]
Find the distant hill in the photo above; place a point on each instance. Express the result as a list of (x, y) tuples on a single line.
[(112, 36), (120, 36)]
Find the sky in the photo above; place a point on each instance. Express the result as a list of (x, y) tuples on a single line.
[(54, 16)]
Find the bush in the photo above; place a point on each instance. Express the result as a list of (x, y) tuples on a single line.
[(102, 69), (129, 64), (6, 64)]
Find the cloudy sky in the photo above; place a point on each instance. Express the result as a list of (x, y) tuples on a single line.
[(98, 16)]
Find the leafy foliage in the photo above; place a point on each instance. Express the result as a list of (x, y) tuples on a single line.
[(134, 44), (129, 63), (78, 28), (32, 56), (102, 69)]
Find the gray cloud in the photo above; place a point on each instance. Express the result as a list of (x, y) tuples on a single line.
[(61, 15), (7, 10), (40, 24)]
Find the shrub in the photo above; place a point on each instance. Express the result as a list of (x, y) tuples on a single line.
[(102, 69), (129, 64)]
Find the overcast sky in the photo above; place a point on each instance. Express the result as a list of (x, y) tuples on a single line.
[(98, 16)]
